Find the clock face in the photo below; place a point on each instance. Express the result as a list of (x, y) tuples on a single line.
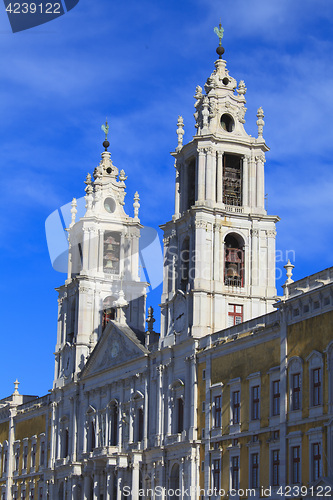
[(109, 205), (115, 349)]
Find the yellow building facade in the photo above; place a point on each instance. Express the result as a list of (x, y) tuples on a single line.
[(265, 399)]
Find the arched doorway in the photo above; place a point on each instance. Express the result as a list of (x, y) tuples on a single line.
[(174, 482)]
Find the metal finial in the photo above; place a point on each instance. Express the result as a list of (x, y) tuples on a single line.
[(219, 31), (105, 129)]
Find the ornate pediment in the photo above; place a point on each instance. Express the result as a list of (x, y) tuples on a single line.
[(117, 345)]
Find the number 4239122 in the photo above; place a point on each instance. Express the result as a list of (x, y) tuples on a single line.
[(34, 8)]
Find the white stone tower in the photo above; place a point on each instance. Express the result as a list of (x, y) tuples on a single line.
[(103, 264), (219, 247)]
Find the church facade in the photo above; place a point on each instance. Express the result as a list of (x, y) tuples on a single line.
[(235, 391)]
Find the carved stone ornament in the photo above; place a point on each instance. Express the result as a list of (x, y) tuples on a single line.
[(200, 224)]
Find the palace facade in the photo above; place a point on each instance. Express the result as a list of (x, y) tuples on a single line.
[(236, 390)]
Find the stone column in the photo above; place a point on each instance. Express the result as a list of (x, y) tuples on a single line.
[(52, 437), (93, 249), (254, 258), (70, 259), (260, 182), (100, 250), (135, 259), (96, 485), (252, 183), (245, 181), (218, 262), (71, 429), (177, 189), (85, 250), (219, 178), (193, 400), (201, 175), (120, 437), (107, 424), (131, 416), (145, 414), (135, 481), (160, 412), (119, 483), (284, 396), (109, 483), (209, 176), (181, 476), (86, 488), (10, 452)]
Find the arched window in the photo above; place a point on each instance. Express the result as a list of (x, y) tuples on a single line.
[(109, 312), (90, 429), (232, 179), (177, 391), (234, 260), (111, 256)]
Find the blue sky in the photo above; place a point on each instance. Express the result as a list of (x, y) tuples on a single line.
[(139, 63)]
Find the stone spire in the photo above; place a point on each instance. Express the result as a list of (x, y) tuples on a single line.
[(16, 384), (180, 132), (260, 122)]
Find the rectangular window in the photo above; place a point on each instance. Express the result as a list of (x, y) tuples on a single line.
[(25, 457), (275, 467), (254, 479), (217, 413), (42, 453), (180, 421), (235, 473), (216, 475), (276, 397), (255, 400), (296, 391), (203, 406), (316, 461), (17, 459), (33, 455), (296, 464), (236, 407), (316, 387), (202, 466), (235, 314)]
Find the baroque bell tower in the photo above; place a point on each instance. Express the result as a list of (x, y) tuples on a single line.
[(219, 247), (103, 279)]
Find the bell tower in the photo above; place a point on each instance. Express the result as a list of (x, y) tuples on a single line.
[(103, 267), (219, 247)]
